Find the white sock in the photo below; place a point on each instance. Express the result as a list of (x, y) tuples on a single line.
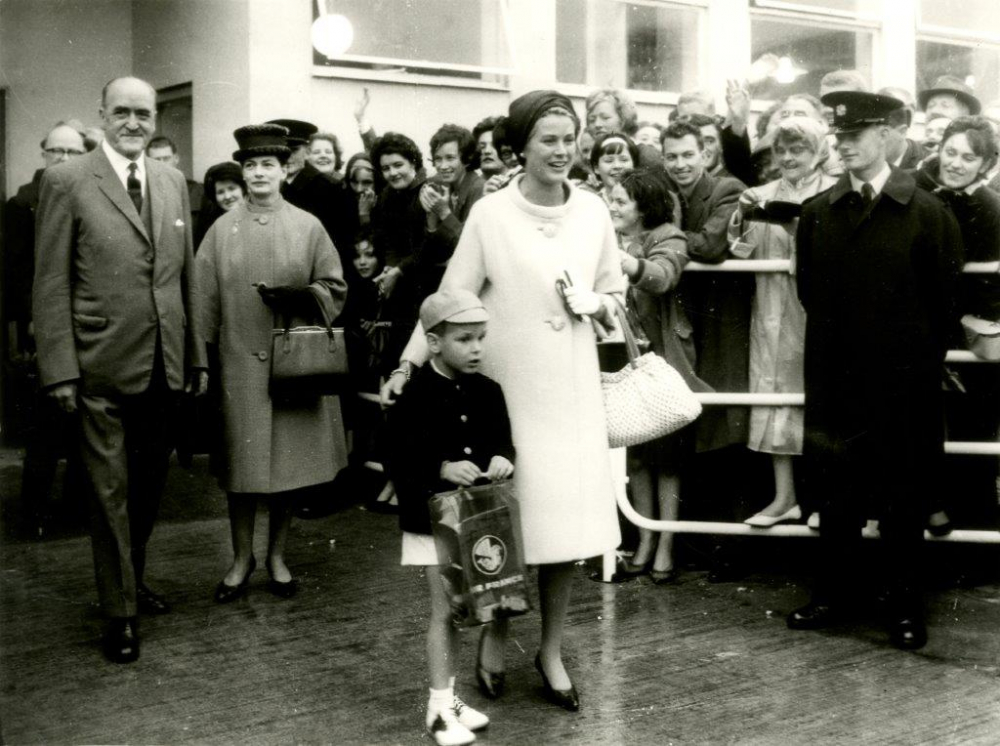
[(441, 700)]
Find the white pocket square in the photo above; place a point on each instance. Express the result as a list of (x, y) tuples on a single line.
[(179, 223)]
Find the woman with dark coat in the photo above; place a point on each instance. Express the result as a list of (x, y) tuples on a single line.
[(957, 174), (224, 190), (398, 233), (654, 253)]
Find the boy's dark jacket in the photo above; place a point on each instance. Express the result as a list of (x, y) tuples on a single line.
[(439, 419)]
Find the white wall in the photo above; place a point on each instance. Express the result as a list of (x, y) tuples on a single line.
[(55, 56), (205, 43)]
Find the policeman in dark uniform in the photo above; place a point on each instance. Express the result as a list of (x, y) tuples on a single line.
[(878, 264), (308, 189)]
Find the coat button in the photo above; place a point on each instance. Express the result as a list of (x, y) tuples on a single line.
[(263, 220), (262, 355), (549, 230), (150, 257), (466, 450), (557, 324)]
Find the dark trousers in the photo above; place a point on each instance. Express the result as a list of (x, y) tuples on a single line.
[(866, 480), (125, 448)]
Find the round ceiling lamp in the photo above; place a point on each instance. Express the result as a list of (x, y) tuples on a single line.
[(332, 35)]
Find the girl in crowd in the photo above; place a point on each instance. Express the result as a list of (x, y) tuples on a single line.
[(397, 222), (361, 180), (543, 352), (489, 161), (263, 261), (654, 252), (612, 157), (225, 190), (649, 133), (765, 225), (326, 155), (957, 174)]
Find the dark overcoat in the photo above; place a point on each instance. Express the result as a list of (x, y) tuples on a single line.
[(879, 288), (329, 201), (718, 306)]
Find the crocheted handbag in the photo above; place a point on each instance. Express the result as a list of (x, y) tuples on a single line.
[(646, 399)]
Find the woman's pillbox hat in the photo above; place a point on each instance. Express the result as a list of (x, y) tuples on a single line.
[(255, 140), (455, 306), (855, 110)]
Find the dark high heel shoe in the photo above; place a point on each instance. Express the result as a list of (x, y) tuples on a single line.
[(568, 699), (279, 589), (225, 593), (490, 684)]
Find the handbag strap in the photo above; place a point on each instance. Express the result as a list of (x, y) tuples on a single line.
[(631, 346), (327, 322)]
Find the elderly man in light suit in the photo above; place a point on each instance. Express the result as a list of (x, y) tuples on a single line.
[(115, 338)]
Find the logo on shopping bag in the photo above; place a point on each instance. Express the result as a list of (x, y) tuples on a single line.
[(489, 555)]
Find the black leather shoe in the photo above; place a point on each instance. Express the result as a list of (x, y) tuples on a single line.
[(568, 699), (491, 684), (282, 590), (121, 640), (664, 577), (149, 602), (811, 616), (908, 633), (225, 593)]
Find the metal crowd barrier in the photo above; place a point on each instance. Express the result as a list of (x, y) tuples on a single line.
[(779, 400)]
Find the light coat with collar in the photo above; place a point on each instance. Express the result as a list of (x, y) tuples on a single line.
[(106, 288)]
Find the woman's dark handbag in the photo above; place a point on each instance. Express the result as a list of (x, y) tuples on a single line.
[(477, 535), (308, 361), (646, 399)]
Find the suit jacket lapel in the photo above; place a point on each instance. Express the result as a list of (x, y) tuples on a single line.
[(112, 186), (154, 193)]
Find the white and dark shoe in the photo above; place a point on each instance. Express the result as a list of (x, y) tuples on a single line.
[(470, 718), (760, 520), (446, 730), (813, 521)]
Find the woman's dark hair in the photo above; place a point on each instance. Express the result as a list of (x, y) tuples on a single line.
[(616, 143), (210, 210), (338, 151), (979, 132), (486, 125), (363, 233), (680, 129), (650, 189), (456, 134), (393, 143)]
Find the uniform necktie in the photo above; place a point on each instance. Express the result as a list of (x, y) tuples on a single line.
[(134, 187), (867, 194)]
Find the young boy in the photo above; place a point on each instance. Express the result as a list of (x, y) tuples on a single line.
[(449, 428)]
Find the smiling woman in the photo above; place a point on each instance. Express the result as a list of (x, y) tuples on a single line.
[(516, 244)]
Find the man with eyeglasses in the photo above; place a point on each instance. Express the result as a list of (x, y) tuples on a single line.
[(46, 430)]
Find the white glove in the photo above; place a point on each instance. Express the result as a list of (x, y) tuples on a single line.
[(582, 301)]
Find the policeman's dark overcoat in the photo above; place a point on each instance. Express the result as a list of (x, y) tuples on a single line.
[(879, 288)]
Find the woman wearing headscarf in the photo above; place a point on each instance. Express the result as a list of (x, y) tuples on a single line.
[(764, 226), (363, 182), (262, 264), (542, 350)]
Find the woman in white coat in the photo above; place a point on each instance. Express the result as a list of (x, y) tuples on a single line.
[(516, 245)]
